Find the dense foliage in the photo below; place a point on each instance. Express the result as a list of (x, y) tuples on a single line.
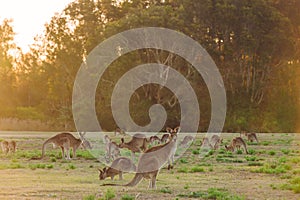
[(254, 43)]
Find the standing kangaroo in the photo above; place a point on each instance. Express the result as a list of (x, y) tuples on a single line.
[(8, 146), (66, 141), (236, 143), (215, 142), (118, 167), (112, 149), (186, 140), (137, 144), (152, 160)]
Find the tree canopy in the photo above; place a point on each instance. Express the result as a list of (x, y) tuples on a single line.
[(255, 45)]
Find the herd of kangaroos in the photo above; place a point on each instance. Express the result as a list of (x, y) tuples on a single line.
[(151, 159)]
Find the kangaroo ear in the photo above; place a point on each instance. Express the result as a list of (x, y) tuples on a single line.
[(100, 170), (177, 129), (169, 130), (122, 140)]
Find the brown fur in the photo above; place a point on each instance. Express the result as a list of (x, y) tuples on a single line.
[(8, 146), (216, 141), (251, 137), (137, 144), (236, 143), (119, 131), (152, 160), (66, 141), (118, 167)]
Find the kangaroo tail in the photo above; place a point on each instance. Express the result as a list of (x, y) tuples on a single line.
[(110, 184), (44, 147), (136, 179)]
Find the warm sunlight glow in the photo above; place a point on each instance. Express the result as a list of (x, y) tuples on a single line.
[(29, 17)]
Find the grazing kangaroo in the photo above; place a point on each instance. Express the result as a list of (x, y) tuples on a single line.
[(236, 143), (8, 146), (186, 140), (151, 161), (216, 141), (118, 167), (250, 136), (112, 149), (137, 144), (66, 141)]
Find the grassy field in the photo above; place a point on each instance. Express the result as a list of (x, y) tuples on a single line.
[(271, 170)]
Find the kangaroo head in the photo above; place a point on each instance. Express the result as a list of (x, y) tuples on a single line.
[(84, 142), (102, 173), (173, 133), (175, 130)]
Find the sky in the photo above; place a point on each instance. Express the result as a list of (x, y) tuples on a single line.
[(29, 17)]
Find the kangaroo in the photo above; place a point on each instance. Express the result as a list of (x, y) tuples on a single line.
[(186, 140), (215, 141), (154, 139), (112, 149), (164, 138), (236, 143), (151, 161), (250, 136), (206, 144), (119, 131), (118, 167), (137, 144), (8, 146), (66, 141)]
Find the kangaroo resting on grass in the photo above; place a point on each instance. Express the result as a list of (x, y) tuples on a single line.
[(66, 141), (151, 161)]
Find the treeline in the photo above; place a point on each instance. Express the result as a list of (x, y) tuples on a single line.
[(255, 45)]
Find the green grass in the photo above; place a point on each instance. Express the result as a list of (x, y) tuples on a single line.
[(37, 166), (272, 153), (255, 164), (273, 168), (213, 193), (166, 190), (89, 197), (127, 197), (197, 169), (251, 158), (285, 151), (293, 185)]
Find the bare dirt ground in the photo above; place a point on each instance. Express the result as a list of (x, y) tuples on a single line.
[(268, 172)]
